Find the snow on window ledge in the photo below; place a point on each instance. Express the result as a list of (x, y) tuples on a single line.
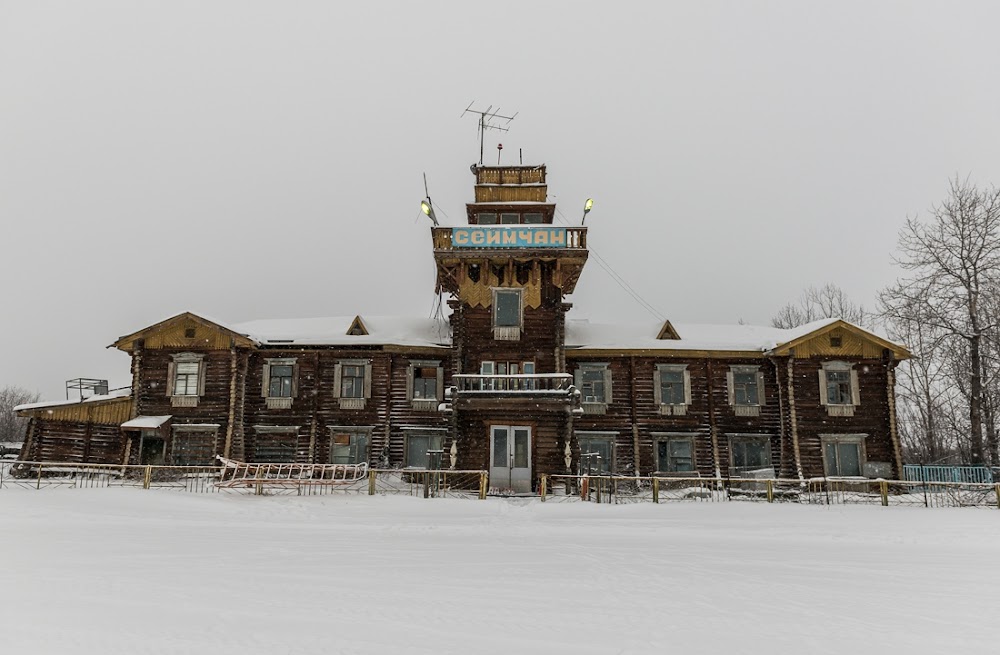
[(279, 403), (352, 403), (183, 401)]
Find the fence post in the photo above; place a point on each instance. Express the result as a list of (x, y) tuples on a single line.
[(371, 482), (484, 483), (884, 489), (38, 485), (147, 477), (770, 491), (656, 490), (996, 490), (543, 488)]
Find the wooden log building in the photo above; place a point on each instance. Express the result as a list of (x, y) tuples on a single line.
[(509, 383)]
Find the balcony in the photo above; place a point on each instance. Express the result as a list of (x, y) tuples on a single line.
[(515, 385)]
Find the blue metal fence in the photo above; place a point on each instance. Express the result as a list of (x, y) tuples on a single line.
[(963, 474)]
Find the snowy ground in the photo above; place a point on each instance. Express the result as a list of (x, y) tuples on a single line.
[(124, 571)]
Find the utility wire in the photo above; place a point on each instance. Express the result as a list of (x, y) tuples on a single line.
[(618, 279)]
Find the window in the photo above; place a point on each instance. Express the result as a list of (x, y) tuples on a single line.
[(194, 445), (275, 444), (426, 384), (746, 389), (594, 383), (348, 446), (672, 388), (843, 455), (186, 379), (353, 383), (838, 388), (531, 218), (279, 383), (417, 446), (509, 219), (675, 454), (486, 218), (507, 314), (750, 456), (597, 453)]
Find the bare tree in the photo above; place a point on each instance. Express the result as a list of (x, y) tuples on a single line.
[(827, 301), (11, 427), (953, 266)]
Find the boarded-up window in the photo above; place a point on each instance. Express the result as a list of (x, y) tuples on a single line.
[(193, 447), (277, 446), (507, 310)]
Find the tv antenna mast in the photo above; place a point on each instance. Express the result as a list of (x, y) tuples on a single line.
[(489, 119)]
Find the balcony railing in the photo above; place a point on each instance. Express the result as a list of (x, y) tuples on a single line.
[(543, 383), (534, 237)]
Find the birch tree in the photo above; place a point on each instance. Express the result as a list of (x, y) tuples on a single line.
[(12, 427), (951, 265)]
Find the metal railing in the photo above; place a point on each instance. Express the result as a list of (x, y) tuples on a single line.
[(517, 384), (921, 473), (815, 491), (257, 479)]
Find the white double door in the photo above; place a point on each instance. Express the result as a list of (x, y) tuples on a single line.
[(510, 457)]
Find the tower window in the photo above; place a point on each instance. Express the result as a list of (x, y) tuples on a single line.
[(510, 219), (532, 218), (486, 218)]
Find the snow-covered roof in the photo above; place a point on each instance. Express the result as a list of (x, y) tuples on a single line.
[(582, 334), (146, 422), (111, 395), (332, 331)]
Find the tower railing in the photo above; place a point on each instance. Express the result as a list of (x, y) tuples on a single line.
[(541, 383)]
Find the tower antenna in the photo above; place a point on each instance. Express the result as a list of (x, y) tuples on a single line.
[(489, 119)]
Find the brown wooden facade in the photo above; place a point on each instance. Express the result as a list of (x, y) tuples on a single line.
[(505, 362)]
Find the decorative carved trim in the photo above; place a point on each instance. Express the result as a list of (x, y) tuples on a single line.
[(595, 408), (425, 405), (352, 403), (507, 333), (673, 410), (183, 401), (840, 410), (278, 402), (747, 410)]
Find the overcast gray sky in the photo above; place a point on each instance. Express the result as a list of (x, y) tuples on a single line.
[(263, 159)]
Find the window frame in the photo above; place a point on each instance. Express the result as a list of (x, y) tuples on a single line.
[(839, 409), (674, 409), (280, 401), (507, 332), (352, 402), (743, 438), (420, 433), (356, 433), (186, 399), (594, 406), (261, 430), (611, 438), (424, 403), (748, 408), (857, 439), (666, 438)]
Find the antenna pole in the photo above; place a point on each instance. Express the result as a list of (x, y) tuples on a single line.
[(485, 117)]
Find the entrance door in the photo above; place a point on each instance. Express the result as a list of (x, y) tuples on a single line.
[(510, 457)]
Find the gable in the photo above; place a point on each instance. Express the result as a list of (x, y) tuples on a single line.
[(186, 331), (841, 339), (668, 332), (357, 328)]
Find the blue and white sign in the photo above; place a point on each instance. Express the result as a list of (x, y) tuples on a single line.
[(508, 237)]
